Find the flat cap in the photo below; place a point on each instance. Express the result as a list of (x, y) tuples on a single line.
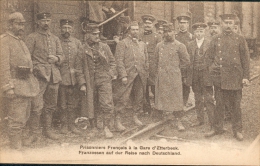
[(160, 23), (92, 28), (148, 18), (168, 27), (212, 23), (66, 22), (228, 16), (184, 16), (199, 25), (43, 15), (16, 16)]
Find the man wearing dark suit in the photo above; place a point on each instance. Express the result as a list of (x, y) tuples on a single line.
[(228, 62), (199, 76)]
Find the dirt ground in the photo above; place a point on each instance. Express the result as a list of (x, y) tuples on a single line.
[(194, 147)]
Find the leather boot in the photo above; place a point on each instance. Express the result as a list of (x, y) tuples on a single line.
[(118, 124), (48, 132), (64, 122), (137, 121), (180, 125), (72, 127), (108, 133), (15, 141)]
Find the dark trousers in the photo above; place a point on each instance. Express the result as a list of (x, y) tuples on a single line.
[(203, 96), (232, 98), (186, 93), (133, 90), (147, 102)]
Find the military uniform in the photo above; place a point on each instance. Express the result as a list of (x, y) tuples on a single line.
[(199, 78), (184, 37), (132, 63), (151, 39), (228, 61), (97, 63), (16, 74), (68, 90), (41, 44)]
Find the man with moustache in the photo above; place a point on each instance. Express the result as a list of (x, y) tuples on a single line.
[(170, 54), (159, 26), (184, 36), (132, 66), (96, 70), (68, 90), (151, 39), (200, 79), (214, 28), (46, 52), (228, 62), (18, 85)]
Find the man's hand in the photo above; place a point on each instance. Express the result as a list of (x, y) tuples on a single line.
[(83, 88), (52, 59), (10, 94), (116, 39), (245, 82), (114, 77), (124, 80), (184, 80)]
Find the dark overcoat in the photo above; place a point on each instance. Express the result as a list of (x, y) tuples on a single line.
[(228, 60)]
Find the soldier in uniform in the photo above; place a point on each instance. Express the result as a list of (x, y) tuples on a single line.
[(46, 52), (151, 39), (159, 26), (132, 66), (18, 85), (170, 54), (68, 90), (213, 28), (98, 66), (228, 61), (202, 85), (184, 36)]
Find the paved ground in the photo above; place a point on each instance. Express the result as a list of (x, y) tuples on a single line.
[(194, 147)]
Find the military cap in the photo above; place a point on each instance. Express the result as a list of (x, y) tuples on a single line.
[(66, 22), (184, 16), (43, 15), (159, 24), (168, 27), (133, 23), (92, 28), (228, 16), (148, 18), (16, 16), (124, 19), (199, 25), (212, 23)]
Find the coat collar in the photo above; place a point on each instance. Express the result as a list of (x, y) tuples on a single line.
[(100, 50), (12, 34), (47, 33)]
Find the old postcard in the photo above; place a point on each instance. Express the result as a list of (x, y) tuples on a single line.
[(129, 82)]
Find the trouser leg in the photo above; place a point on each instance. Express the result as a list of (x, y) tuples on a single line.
[(138, 92), (186, 93), (199, 103), (220, 106), (18, 113), (235, 109), (209, 102)]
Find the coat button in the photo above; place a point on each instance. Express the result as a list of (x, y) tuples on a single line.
[(220, 65), (235, 58), (220, 59), (219, 51), (218, 44)]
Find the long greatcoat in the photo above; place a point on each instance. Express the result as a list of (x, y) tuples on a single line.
[(192, 46), (168, 83)]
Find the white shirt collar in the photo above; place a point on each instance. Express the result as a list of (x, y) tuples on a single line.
[(199, 42)]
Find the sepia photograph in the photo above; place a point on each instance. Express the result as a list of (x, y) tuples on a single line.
[(129, 82)]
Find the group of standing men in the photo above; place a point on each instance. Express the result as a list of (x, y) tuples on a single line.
[(45, 68)]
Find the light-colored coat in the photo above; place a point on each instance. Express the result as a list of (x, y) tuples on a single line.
[(168, 83)]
